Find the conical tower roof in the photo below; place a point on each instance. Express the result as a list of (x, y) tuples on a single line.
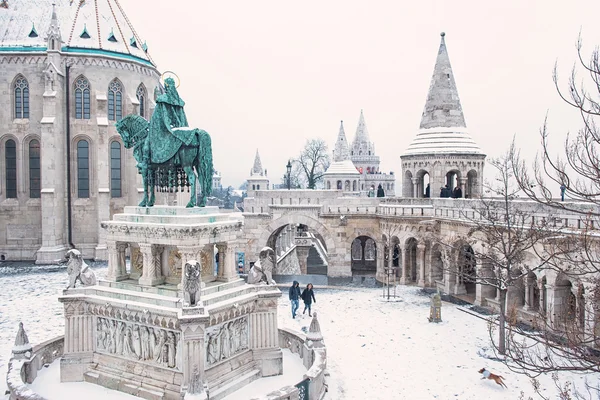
[(443, 128), (361, 145), (341, 152), (257, 168), (86, 26)]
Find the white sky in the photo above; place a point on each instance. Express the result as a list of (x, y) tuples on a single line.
[(270, 74)]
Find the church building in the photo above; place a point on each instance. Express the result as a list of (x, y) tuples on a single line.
[(69, 69)]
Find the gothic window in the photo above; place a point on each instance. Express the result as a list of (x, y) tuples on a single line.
[(82, 98), (356, 249), (11, 169), (35, 175), (115, 101), (370, 250), (115, 169), (83, 169), (141, 96), (21, 88)]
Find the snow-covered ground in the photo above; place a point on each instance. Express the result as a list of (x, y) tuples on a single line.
[(376, 349)]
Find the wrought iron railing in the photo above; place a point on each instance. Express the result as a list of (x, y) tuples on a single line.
[(303, 389)]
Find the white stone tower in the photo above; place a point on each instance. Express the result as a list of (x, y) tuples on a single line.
[(367, 163), (443, 153), (258, 179)]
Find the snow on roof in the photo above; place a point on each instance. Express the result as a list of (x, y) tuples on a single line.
[(443, 140), (84, 24), (345, 167)]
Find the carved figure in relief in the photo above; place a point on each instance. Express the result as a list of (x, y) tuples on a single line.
[(137, 346), (225, 341), (212, 349), (78, 270), (191, 283), (243, 334), (145, 336), (262, 271), (128, 343), (159, 346), (171, 349), (120, 337)]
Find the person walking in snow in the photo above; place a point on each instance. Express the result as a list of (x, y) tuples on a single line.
[(308, 296), (294, 297)]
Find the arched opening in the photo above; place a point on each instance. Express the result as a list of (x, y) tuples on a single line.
[(363, 256), (544, 296), (298, 250), (423, 184), (565, 303), (354, 186), (328, 185), (339, 185), (467, 271), (347, 186), (411, 259), (472, 189), (532, 299), (452, 182)]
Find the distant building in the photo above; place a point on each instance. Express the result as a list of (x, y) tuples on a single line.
[(216, 181), (258, 177), (69, 71), (356, 169)]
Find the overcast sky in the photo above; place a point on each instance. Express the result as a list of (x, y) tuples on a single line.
[(270, 74)]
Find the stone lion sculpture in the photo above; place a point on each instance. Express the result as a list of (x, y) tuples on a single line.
[(262, 271), (191, 283), (78, 270)]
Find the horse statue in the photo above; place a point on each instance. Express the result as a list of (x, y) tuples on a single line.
[(169, 154)]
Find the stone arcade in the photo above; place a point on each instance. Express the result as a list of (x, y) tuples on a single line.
[(169, 325)]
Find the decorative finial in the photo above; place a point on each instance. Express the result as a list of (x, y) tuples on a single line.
[(314, 330), (443, 34), (22, 345)]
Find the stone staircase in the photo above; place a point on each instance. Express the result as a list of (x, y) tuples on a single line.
[(315, 265)]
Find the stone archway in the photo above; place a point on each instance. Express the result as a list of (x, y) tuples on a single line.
[(472, 189), (467, 270), (410, 260), (318, 232), (363, 251)]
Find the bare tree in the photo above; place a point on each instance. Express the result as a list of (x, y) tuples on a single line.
[(569, 345), (313, 161), (501, 237)]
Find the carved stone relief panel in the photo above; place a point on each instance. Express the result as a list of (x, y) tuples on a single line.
[(226, 340), (207, 263), (137, 261), (174, 263), (138, 342)]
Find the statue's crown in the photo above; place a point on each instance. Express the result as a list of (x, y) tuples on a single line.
[(169, 82)]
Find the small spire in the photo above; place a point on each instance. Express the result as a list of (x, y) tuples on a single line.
[(22, 345), (257, 168), (33, 33), (85, 34), (361, 145), (341, 151), (442, 108), (314, 331)]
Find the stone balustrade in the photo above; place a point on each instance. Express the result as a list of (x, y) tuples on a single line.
[(24, 371)]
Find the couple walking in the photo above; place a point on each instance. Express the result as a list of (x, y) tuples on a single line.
[(307, 295)]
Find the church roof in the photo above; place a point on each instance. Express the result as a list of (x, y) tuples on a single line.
[(341, 151), (97, 26), (345, 167), (443, 128)]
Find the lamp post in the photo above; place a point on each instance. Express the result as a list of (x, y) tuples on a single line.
[(289, 174)]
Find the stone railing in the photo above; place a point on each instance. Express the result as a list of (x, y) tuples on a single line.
[(312, 351), (23, 370)]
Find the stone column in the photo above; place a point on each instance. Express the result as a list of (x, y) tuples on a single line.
[(404, 279), (151, 273), (264, 336), (187, 253), (528, 293), (462, 183), (79, 342), (283, 239), (415, 183), (192, 356), (117, 269), (421, 264), (221, 252), (302, 253)]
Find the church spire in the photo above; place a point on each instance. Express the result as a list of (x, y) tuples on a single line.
[(53, 35), (362, 134), (341, 152), (257, 168), (442, 108)]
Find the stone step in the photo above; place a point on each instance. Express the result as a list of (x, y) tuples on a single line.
[(172, 219), (234, 385), (144, 387), (171, 210), (132, 297)]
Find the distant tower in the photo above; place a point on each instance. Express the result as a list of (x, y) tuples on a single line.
[(258, 179), (443, 153), (342, 174), (367, 163)]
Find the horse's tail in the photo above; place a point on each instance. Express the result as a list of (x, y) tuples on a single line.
[(205, 163)]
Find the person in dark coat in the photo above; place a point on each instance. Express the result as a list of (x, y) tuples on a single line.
[(380, 192), (308, 295), (294, 297), (427, 190)]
